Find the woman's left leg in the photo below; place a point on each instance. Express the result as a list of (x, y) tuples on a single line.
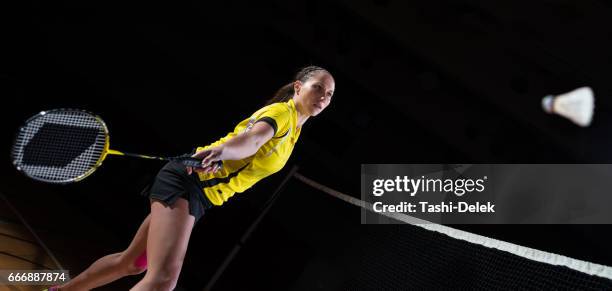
[(114, 266)]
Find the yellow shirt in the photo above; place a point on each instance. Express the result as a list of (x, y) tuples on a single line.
[(239, 175)]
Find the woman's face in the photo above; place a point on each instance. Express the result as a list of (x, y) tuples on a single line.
[(316, 93)]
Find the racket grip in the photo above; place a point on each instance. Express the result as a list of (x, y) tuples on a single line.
[(194, 162), (191, 162)]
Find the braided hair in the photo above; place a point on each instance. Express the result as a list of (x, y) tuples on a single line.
[(286, 92)]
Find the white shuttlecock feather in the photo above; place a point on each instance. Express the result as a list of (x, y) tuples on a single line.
[(577, 105)]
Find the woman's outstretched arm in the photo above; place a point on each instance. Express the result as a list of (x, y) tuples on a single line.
[(238, 147)]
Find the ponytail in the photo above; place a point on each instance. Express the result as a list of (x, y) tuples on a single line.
[(286, 92), (283, 94)]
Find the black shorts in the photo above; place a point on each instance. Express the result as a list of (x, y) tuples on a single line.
[(173, 182)]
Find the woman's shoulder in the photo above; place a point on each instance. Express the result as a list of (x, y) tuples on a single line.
[(278, 105), (276, 108)]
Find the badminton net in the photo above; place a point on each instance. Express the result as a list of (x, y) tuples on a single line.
[(419, 255)]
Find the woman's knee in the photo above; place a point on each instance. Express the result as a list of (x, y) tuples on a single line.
[(133, 266)]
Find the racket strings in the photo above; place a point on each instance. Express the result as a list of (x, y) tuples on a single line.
[(59, 140), (60, 146)]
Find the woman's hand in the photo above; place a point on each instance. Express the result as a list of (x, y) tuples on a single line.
[(211, 159)]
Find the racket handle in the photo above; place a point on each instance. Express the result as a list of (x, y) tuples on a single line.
[(194, 162)]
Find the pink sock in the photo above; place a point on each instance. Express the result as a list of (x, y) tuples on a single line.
[(141, 261)]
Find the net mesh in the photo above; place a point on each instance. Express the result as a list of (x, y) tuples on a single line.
[(431, 256), (59, 146), (405, 257)]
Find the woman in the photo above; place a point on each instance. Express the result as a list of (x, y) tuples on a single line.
[(258, 146)]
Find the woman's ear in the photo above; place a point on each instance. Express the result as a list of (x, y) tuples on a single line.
[(297, 86)]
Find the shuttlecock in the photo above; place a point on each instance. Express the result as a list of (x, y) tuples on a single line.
[(576, 105)]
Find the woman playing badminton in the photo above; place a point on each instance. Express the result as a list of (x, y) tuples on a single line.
[(258, 147)]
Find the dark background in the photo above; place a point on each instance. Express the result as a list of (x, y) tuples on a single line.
[(416, 82)]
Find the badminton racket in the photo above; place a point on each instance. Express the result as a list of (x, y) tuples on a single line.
[(62, 146)]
